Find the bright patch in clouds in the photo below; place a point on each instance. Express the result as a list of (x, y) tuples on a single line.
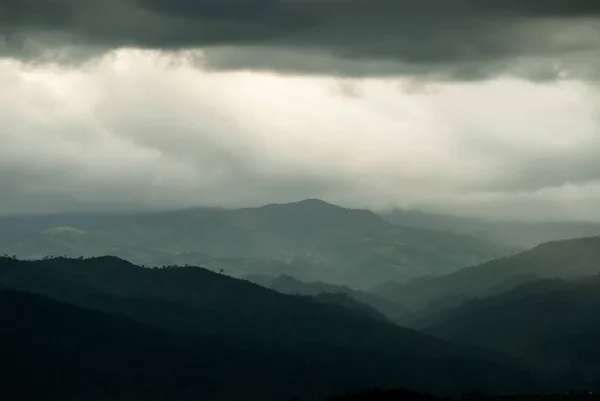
[(139, 129)]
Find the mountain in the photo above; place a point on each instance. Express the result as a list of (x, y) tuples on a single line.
[(560, 259), (188, 333), (553, 324), (511, 234), (289, 285), (311, 240)]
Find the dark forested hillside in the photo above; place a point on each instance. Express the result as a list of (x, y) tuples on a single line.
[(311, 240), (553, 324), (245, 333), (72, 353)]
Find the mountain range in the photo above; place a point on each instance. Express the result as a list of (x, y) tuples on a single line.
[(300, 301), (311, 240)]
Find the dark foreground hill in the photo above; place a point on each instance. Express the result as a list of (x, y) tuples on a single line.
[(561, 259), (188, 333), (311, 240), (553, 324)]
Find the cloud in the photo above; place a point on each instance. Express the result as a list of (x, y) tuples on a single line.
[(461, 39), (141, 130)]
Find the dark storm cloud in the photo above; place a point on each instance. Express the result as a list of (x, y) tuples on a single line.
[(468, 39)]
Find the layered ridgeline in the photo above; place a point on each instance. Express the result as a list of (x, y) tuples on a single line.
[(541, 305), (553, 324), (311, 240), (334, 293), (113, 330), (560, 259)]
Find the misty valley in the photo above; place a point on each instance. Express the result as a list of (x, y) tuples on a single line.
[(303, 300)]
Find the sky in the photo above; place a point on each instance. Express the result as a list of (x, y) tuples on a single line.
[(484, 108)]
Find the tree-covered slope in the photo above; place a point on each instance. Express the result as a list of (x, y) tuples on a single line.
[(553, 324)]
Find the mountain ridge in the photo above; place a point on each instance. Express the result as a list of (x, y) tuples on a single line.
[(343, 246), (558, 259)]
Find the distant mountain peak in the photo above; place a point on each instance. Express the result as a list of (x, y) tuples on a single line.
[(318, 206), (312, 202), (63, 230)]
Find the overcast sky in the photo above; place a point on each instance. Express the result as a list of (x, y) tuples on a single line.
[(471, 107)]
